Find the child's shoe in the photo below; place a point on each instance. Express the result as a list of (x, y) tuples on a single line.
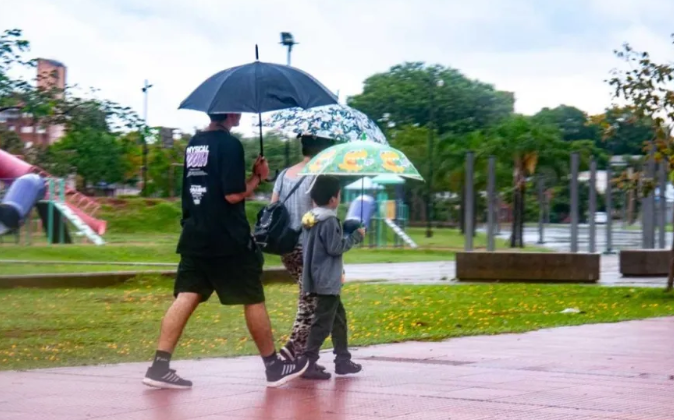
[(315, 373), (348, 367)]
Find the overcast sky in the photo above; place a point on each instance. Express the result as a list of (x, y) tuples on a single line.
[(548, 52)]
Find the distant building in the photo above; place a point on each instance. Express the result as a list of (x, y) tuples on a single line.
[(50, 74), (624, 161)]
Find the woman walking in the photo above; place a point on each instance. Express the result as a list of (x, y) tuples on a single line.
[(298, 204)]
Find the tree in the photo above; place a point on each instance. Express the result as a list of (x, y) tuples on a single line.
[(12, 47), (10, 141), (95, 156), (409, 94), (572, 122), (90, 146), (624, 132), (412, 141), (646, 86), (531, 146)]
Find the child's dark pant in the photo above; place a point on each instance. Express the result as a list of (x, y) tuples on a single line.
[(329, 320)]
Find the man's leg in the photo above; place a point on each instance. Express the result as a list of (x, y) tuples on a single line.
[(159, 375), (259, 326), (191, 288), (246, 288), (175, 319)]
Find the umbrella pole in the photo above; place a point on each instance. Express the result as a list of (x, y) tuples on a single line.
[(259, 119), (362, 200)]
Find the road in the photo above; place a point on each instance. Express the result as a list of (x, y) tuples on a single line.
[(444, 272), (558, 237)]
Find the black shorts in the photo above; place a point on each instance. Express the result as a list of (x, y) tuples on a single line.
[(237, 279)]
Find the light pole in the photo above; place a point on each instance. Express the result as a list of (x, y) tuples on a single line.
[(287, 40), (431, 127), (146, 87)]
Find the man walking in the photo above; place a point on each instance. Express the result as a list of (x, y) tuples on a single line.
[(217, 252)]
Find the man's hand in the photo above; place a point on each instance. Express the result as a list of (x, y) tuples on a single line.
[(343, 278), (361, 231), (261, 168)]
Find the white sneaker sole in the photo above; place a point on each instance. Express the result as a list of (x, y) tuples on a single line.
[(163, 385), (288, 378)]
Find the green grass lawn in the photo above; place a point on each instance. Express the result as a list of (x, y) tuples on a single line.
[(58, 327), (160, 248), (146, 230)]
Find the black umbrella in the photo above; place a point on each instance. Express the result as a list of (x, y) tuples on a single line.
[(256, 88)]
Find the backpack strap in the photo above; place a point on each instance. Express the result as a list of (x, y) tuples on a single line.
[(282, 175), (293, 190)]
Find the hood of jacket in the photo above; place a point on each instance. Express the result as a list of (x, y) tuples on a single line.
[(311, 218)]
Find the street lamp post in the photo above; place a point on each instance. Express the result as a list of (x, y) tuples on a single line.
[(146, 87), (431, 127), (287, 40)]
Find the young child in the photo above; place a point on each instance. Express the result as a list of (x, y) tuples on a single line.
[(323, 247)]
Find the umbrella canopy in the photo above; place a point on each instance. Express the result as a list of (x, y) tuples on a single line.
[(364, 183), (365, 158), (388, 180), (256, 88), (336, 122)]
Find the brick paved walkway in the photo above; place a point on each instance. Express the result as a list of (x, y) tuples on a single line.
[(610, 371)]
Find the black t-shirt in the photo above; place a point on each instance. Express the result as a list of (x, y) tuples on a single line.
[(214, 167)]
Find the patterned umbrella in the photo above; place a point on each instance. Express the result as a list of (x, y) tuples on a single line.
[(336, 122), (361, 158)]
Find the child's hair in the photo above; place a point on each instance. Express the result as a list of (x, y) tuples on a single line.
[(324, 189)]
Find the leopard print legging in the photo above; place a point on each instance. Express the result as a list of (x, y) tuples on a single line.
[(306, 305)]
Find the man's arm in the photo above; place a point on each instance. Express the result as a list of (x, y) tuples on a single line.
[(184, 196), (251, 184), (335, 243), (234, 184)]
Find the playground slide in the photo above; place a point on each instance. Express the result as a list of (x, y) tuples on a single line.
[(57, 217), (18, 201), (79, 206), (79, 223), (362, 209), (401, 233)]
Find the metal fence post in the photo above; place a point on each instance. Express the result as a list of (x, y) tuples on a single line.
[(609, 212), (50, 214), (593, 207), (648, 206), (468, 215), (491, 201), (541, 209), (662, 201), (574, 202)]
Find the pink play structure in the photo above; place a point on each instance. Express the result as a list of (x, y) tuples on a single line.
[(11, 167)]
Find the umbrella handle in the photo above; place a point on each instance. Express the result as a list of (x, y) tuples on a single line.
[(274, 178)]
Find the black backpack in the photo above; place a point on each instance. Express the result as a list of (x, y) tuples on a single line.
[(272, 231)]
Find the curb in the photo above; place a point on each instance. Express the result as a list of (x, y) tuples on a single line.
[(110, 278)]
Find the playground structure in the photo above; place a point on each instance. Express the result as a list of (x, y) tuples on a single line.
[(60, 205), (369, 203)]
